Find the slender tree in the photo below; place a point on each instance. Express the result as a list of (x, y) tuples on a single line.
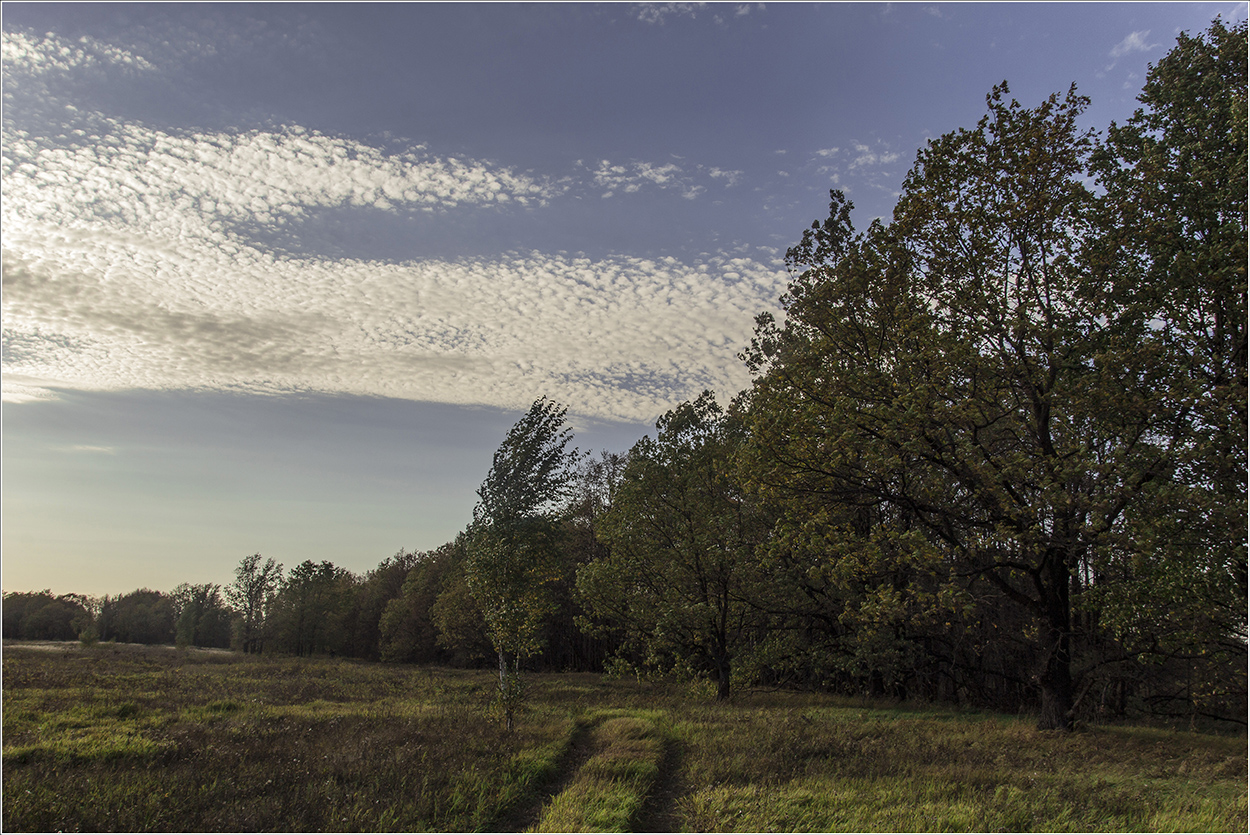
[(251, 594), (513, 556)]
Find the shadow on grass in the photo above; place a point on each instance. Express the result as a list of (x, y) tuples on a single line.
[(523, 816), (659, 811)]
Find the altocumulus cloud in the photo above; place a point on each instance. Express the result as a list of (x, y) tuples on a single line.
[(126, 266)]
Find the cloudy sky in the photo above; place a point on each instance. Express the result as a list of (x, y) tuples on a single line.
[(279, 277)]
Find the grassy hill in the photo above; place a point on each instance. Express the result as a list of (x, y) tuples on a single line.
[(133, 738)]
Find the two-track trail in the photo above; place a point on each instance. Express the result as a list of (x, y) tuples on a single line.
[(609, 777)]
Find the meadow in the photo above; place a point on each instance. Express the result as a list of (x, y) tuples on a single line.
[(122, 737)]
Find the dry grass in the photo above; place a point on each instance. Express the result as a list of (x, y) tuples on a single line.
[(118, 738), (106, 740)]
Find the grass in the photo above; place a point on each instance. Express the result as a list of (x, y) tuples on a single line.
[(608, 791), (110, 738)]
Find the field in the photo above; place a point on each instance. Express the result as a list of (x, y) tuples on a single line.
[(109, 738)]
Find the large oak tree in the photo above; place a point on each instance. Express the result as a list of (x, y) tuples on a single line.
[(953, 373)]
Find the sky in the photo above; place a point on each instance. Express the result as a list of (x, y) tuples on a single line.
[(278, 278)]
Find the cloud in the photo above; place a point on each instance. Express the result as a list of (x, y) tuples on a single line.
[(34, 55), (135, 258), (631, 177), (658, 12), (124, 268), (1133, 42), (257, 176), (875, 166), (91, 449), (867, 157), (619, 338)]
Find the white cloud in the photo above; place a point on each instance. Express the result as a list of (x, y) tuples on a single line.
[(1133, 42), (731, 177), (128, 263), (257, 176), (621, 338), (632, 177), (859, 164), (124, 268), (33, 55), (658, 12), (867, 157), (20, 388), (91, 449)]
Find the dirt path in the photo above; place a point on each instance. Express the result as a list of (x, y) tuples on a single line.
[(597, 738), (524, 817), (659, 813)]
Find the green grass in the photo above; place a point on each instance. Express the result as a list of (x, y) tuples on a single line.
[(607, 793), (110, 738)]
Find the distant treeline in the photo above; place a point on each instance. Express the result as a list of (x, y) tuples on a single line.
[(414, 607), (994, 454)]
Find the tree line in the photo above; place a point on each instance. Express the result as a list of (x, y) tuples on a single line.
[(993, 453)]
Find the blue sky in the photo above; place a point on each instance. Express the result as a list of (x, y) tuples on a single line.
[(279, 277)]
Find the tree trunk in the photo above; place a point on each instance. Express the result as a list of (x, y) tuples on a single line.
[(505, 697), (722, 678), (1057, 689)]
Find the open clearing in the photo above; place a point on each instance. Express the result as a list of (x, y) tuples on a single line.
[(110, 738)]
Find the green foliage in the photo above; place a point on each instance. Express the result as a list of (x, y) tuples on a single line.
[(988, 404), (406, 627), (1174, 244), (310, 610), (143, 616), (41, 616), (917, 397), (203, 617), (677, 582), (532, 472), (251, 594), (512, 555), (462, 631), (512, 569)]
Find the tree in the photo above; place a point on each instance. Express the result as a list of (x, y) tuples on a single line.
[(143, 616), (203, 619), (408, 629), (952, 372), (570, 645), (1174, 245), (310, 609), (380, 587), (462, 631), (679, 574), (251, 594), (40, 616), (513, 555)]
